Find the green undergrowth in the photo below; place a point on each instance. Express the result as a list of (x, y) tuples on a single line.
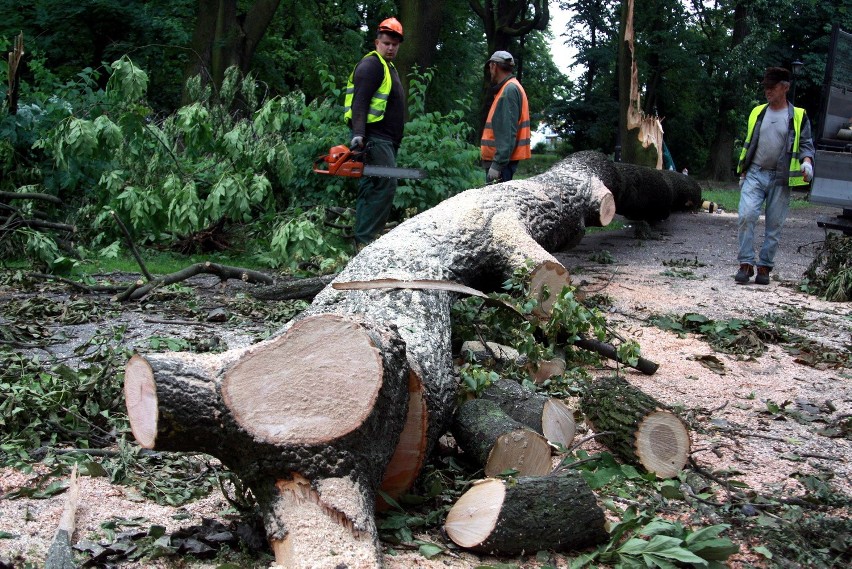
[(829, 275)]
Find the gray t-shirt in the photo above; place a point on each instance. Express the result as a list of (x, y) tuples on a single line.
[(773, 138)]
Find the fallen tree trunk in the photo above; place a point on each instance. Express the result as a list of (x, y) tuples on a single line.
[(498, 442), (478, 237), (546, 416), (527, 514), (648, 194), (643, 432)]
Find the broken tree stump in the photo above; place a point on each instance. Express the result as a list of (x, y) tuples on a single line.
[(644, 432), (60, 555), (527, 514), (546, 416), (499, 443)]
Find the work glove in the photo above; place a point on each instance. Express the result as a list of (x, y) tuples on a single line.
[(357, 142), (493, 174), (742, 181), (807, 171)]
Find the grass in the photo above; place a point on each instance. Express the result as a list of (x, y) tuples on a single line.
[(537, 164), (729, 199)]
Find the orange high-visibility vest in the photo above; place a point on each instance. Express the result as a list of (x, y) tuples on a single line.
[(522, 151)]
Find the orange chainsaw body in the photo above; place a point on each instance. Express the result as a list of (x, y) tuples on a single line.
[(340, 161)]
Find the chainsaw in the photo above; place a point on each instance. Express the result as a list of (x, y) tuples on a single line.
[(343, 161)]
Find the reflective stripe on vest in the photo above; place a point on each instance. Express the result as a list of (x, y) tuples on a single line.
[(379, 102), (794, 172), (488, 146)]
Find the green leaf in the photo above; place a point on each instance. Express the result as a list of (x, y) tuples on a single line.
[(430, 550), (661, 548)]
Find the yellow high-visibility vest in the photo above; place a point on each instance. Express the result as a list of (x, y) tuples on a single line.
[(795, 171), (379, 102)]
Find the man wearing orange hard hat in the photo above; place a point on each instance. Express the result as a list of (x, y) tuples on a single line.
[(375, 111)]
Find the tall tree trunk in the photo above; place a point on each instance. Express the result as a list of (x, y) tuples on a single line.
[(422, 21), (224, 37), (720, 165)]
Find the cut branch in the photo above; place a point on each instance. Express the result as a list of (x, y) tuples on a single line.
[(644, 432), (528, 514)]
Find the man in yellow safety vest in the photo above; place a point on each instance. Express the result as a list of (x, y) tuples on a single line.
[(778, 153), (375, 111)]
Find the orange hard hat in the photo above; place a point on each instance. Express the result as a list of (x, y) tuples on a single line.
[(391, 26)]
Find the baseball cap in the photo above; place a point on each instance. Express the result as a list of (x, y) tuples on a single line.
[(502, 57), (775, 75)]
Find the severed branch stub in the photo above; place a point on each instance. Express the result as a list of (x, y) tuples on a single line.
[(499, 443), (644, 432), (545, 415)]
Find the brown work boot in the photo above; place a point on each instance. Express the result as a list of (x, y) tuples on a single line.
[(744, 274), (762, 277)]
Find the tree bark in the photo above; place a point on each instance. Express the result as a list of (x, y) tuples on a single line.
[(527, 514), (644, 433), (423, 20), (224, 37), (721, 154), (499, 443), (547, 416)]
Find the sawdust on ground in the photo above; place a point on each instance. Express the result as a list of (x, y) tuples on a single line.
[(727, 402)]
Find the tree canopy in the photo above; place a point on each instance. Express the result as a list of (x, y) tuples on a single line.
[(699, 63)]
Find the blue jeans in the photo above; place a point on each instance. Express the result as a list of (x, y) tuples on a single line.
[(760, 186)]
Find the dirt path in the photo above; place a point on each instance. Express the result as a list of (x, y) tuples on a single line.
[(745, 389), (734, 409)]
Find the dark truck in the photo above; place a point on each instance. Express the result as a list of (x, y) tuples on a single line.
[(832, 183)]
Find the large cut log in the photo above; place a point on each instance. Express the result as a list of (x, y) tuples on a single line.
[(499, 443), (310, 430), (527, 514), (643, 431), (546, 416), (477, 238)]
